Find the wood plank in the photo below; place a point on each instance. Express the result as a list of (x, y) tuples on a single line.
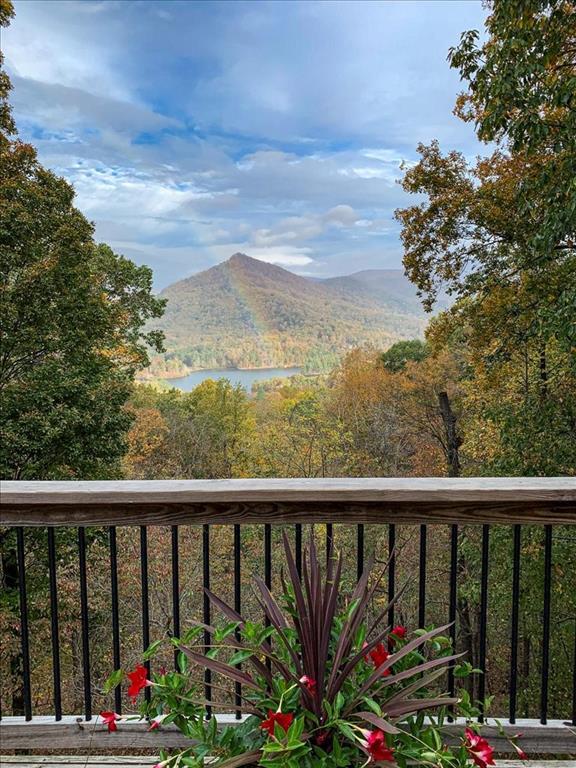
[(80, 759), (536, 764), (345, 500), (127, 761), (556, 738)]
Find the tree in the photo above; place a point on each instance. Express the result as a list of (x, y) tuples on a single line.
[(300, 437), (522, 90), (513, 317), (395, 358), (74, 317), (205, 433)]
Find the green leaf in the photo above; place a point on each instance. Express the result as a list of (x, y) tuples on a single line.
[(151, 650), (240, 656), (114, 680)]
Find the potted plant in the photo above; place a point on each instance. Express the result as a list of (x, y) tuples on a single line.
[(323, 684)]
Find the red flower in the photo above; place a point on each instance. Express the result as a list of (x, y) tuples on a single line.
[(478, 748), (308, 683), (138, 680), (154, 724), (379, 655), (321, 738), (109, 719), (398, 632), (283, 720), (377, 748)]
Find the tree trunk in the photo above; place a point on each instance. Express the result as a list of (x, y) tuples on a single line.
[(453, 440), (467, 634), (543, 372)]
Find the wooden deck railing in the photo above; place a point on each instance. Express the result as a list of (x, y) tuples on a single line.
[(545, 502)]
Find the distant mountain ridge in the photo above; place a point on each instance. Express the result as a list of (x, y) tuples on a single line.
[(247, 313)]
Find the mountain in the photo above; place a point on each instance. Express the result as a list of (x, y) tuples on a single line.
[(389, 287), (246, 313)]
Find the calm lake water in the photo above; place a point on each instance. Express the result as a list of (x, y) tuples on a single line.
[(245, 378)]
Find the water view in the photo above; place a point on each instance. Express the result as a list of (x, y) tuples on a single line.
[(244, 377)]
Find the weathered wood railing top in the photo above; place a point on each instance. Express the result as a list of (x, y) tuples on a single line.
[(501, 500)]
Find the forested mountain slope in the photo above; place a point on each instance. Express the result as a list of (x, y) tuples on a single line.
[(248, 313)]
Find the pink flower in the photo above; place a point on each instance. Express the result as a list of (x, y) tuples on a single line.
[(478, 748), (377, 748), (308, 683), (109, 719), (138, 681), (153, 725), (283, 720), (521, 754)]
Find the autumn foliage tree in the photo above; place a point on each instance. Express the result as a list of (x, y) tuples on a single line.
[(514, 311), (73, 319), (522, 93)]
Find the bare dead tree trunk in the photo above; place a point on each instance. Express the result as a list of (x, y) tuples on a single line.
[(453, 441)]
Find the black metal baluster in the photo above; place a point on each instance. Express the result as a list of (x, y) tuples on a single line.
[(391, 570), (175, 589), (24, 636), (298, 547), (268, 571), (359, 550), (237, 603), (329, 539), (516, 548), (268, 555), (145, 600), (54, 629), (546, 623), (84, 622), (453, 602), (483, 623), (207, 636), (422, 578), (115, 613), (574, 680)]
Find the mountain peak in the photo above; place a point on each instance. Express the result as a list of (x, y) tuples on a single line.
[(240, 258), (259, 269)]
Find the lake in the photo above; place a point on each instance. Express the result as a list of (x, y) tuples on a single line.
[(244, 377)]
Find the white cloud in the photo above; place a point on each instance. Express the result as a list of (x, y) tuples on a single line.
[(341, 215), (285, 257), (48, 44)]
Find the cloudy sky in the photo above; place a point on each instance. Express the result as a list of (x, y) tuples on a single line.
[(193, 129)]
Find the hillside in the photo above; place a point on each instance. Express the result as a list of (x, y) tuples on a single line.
[(246, 313)]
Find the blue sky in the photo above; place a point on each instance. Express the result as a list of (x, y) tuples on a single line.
[(192, 130)]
